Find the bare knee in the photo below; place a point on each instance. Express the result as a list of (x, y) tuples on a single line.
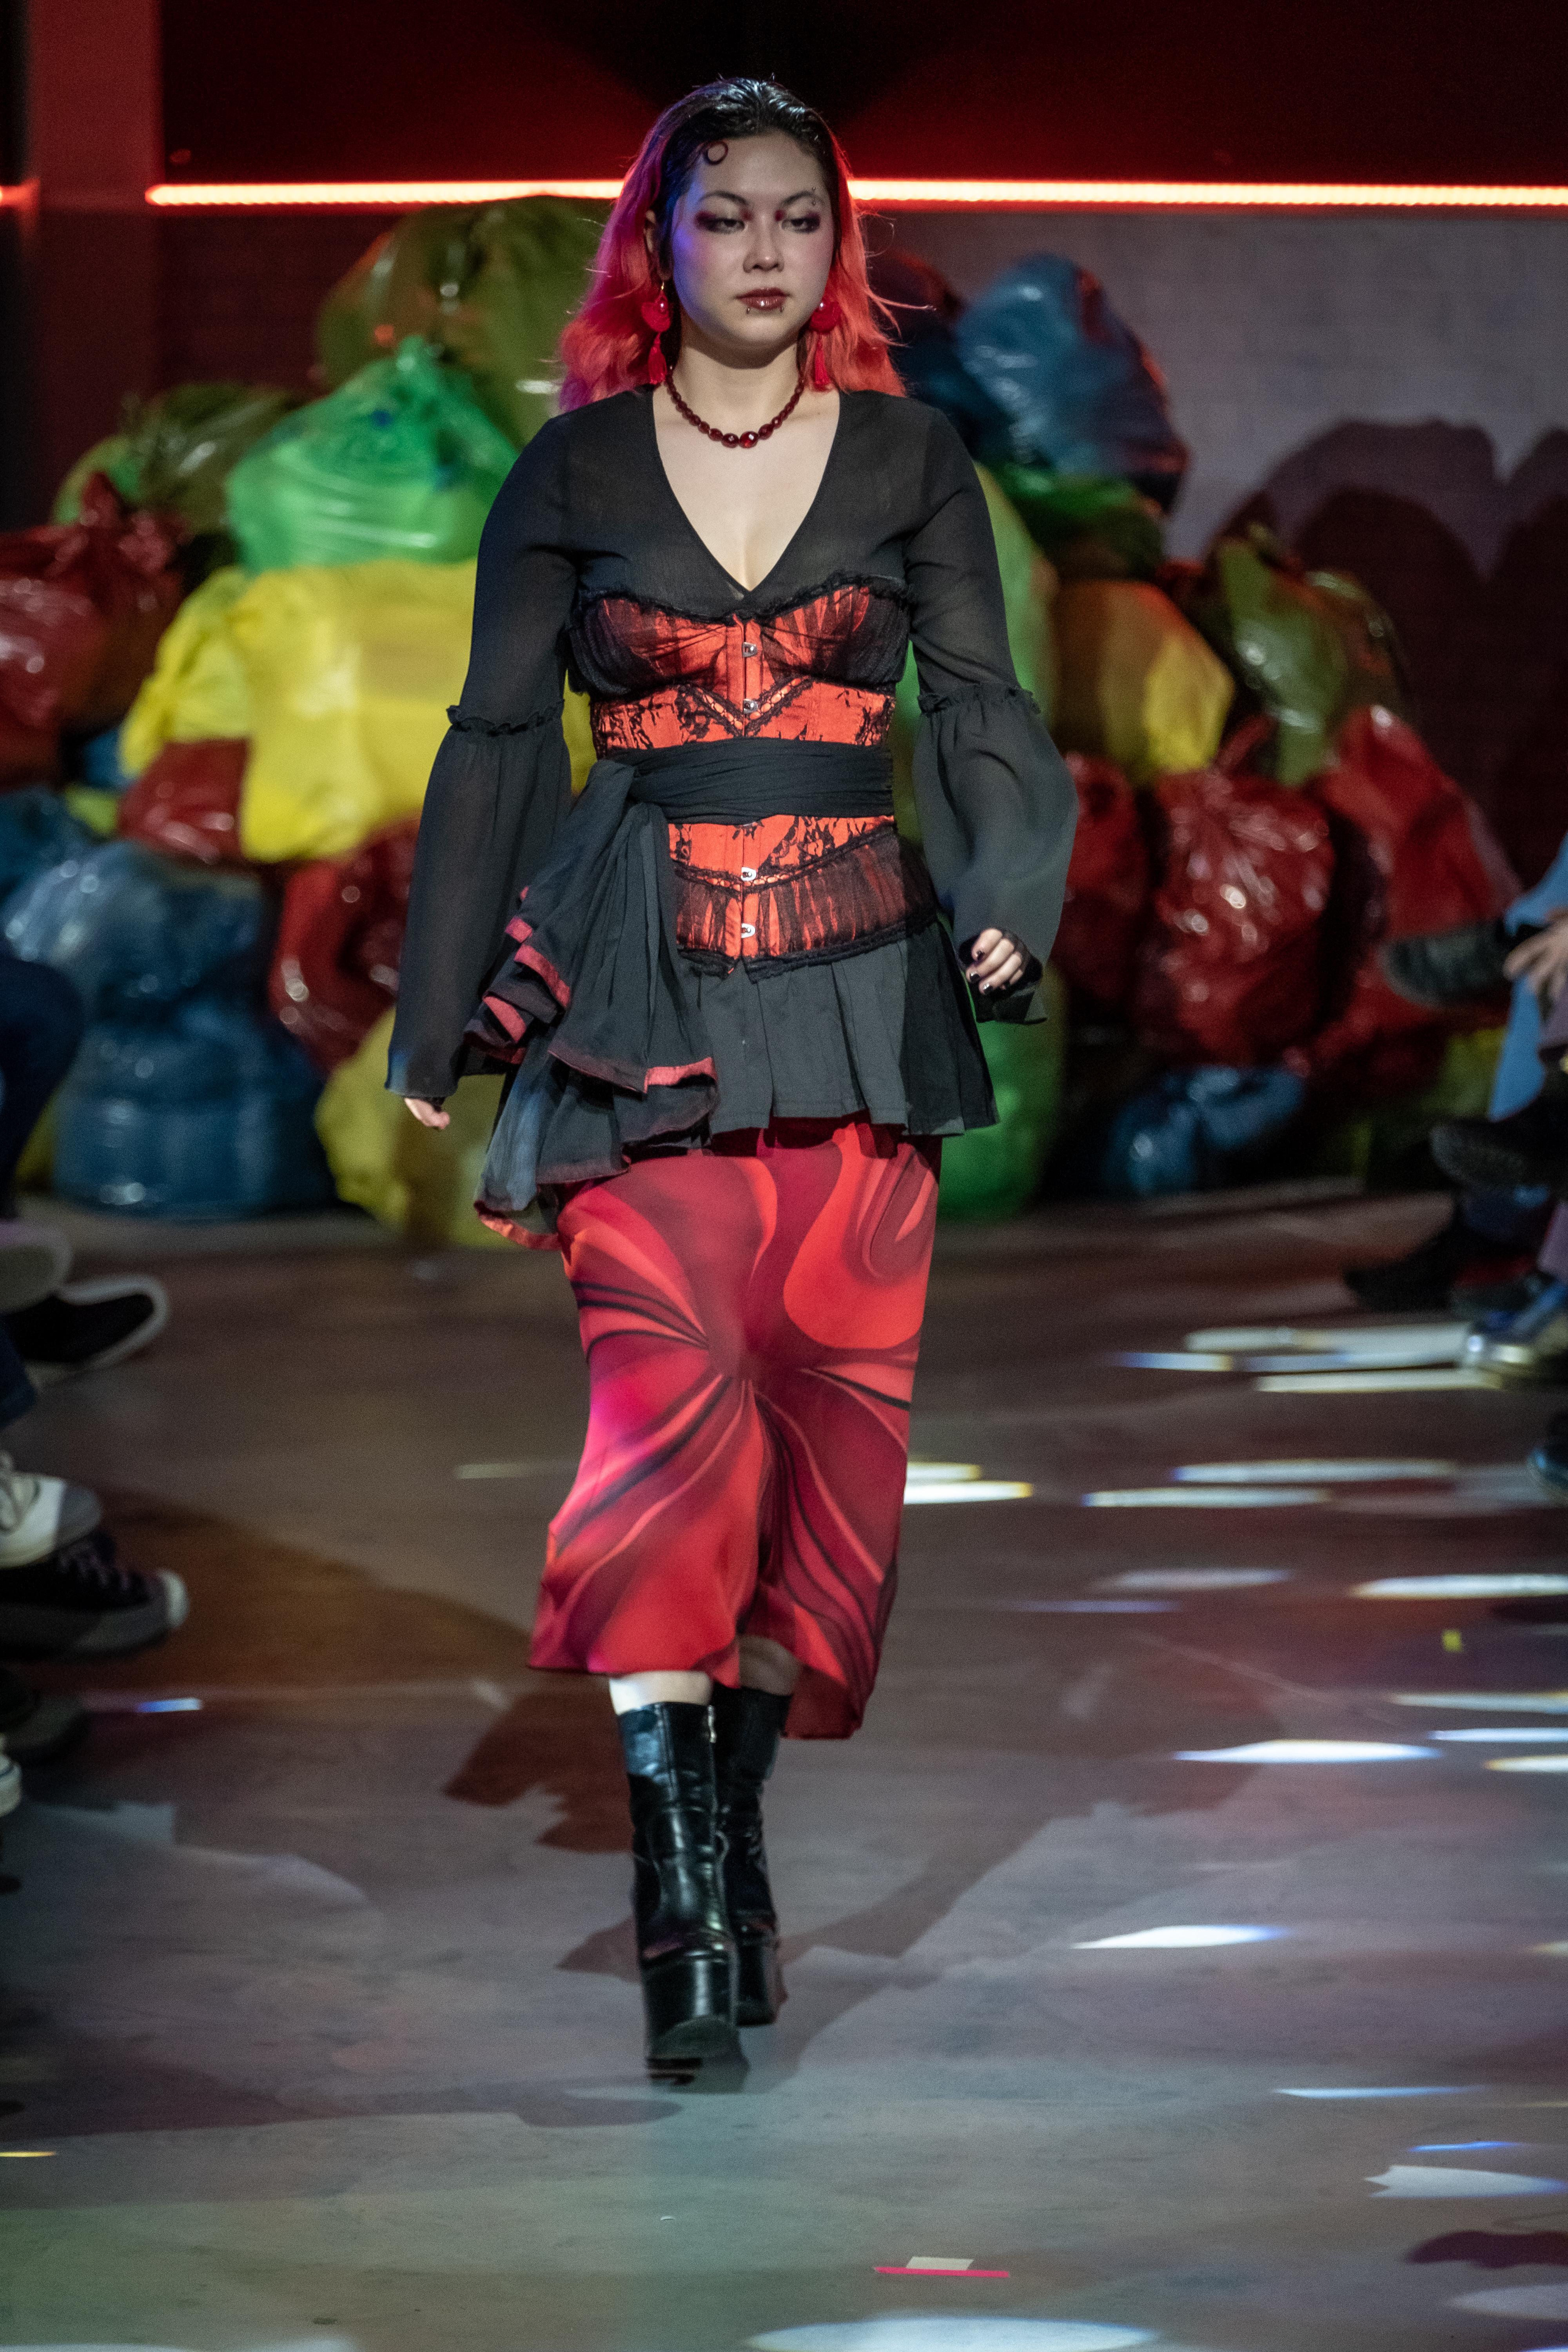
[(767, 1666)]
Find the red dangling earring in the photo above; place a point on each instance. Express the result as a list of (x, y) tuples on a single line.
[(824, 318), (656, 311)]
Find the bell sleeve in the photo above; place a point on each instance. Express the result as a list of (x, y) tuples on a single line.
[(501, 781), (996, 804)]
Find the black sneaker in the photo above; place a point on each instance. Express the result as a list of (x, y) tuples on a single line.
[(1463, 966), (37, 1725), (80, 1603), (1550, 1459), (1426, 1276), (85, 1325)]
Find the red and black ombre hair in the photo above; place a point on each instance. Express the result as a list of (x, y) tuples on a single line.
[(606, 345)]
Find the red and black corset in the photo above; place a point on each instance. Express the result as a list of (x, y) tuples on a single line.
[(790, 890)]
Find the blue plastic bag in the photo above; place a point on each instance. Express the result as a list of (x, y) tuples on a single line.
[(1194, 1128), (206, 1111), (36, 831), (1078, 390), (135, 929)]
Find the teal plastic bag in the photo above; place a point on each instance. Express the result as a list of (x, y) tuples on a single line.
[(400, 462), (993, 1172)]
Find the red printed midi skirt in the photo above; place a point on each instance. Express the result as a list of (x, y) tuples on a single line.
[(750, 1313)]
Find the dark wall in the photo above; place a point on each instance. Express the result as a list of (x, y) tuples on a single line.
[(1129, 88)]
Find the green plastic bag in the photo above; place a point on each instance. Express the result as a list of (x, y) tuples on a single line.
[(1312, 646), (994, 1172), (399, 463), (489, 286), (174, 453), (1092, 526)]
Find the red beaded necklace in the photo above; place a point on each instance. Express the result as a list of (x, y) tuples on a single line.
[(738, 440)]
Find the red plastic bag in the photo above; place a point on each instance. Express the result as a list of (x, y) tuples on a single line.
[(1412, 856), (1108, 885), (187, 801), (1231, 970), (82, 606), (340, 941)]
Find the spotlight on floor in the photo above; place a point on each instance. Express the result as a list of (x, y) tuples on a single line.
[(1180, 1940), (1305, 1751)]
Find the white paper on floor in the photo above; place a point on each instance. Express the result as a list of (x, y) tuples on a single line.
[(1446, 2181), (962, 2332)]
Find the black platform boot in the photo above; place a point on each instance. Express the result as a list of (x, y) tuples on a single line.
[(684, 1947), (747, 1727)]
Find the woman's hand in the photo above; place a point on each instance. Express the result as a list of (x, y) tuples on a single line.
[(997, 961), (1544, 960), (428, 1114)]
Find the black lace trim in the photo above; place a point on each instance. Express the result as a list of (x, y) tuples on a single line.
[(728, 884), (794, 601), (462, 724), (932, 705), (908, 927)]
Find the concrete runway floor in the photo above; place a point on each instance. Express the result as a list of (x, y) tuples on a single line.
[(318, 2016)]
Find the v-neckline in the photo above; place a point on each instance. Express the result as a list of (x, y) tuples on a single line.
[(745, 594)]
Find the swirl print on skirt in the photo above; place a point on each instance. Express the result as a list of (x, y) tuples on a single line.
[(750, 1313)]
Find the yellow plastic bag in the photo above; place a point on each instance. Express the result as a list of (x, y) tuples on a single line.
[(421, 1181), (198, 687), (351, 668), (1137, 684)]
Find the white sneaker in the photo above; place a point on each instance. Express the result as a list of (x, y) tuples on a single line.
[(10, 1785), (38, 1515), (34, 1260)]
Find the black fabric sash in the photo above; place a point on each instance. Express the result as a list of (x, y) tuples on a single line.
[(749, 777)]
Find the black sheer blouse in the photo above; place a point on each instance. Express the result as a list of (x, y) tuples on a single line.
[(589, 566)]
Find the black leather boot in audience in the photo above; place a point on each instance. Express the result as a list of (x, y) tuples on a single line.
[(747, 1728), (684, 1950)]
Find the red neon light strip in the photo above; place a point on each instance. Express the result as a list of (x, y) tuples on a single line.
[(1228, 195)]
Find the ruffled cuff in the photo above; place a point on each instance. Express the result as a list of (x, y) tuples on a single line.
[(997, 810)]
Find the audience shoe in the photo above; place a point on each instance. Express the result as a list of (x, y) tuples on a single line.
[(37, 1725), (34, 1260), (1462, 966), (38, 1515), (1425, 1277), (1528, 1147), (80, 1603), (84, 1327), (1550, 1459), (1518, 1350)]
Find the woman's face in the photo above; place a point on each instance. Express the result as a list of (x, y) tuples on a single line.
[(751, 245)]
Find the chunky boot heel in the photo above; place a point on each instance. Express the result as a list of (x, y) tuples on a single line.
[(685, 1949), (747, 1727)]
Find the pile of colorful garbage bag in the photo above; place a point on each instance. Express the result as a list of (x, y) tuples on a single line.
[(224, 668)]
